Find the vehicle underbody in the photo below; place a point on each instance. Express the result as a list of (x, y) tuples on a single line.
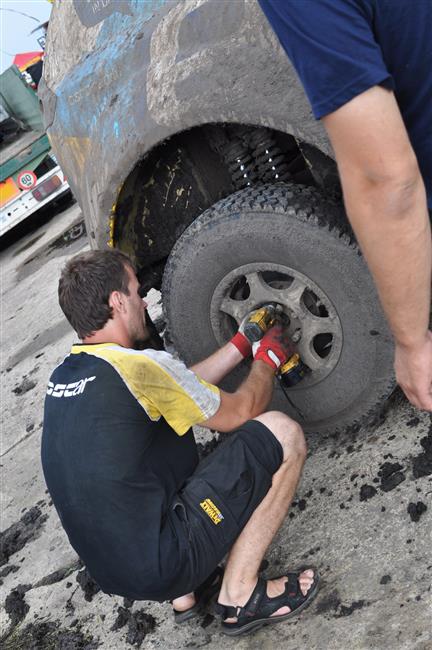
[(187, 174)]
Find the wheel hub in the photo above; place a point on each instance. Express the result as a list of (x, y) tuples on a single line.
[(311, 319)]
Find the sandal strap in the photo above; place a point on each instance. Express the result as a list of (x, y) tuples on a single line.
[(225, 611), (292, 587), (292, 596), (254, 602), (248, 610)]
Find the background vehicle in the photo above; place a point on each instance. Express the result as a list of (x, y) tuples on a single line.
[(30, 176), (189, 144)]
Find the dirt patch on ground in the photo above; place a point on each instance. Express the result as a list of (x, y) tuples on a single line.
[(57, 576), (26, 385), (87, 584), (73, 239), (391, 476), (48, 636), (367, 492), (76, 231), (47, 337), (28, 244), (139, 625), (328, 603), (15, 604), (347, 610), (415, 510), (422, 464), (11, 568), (15, 537)]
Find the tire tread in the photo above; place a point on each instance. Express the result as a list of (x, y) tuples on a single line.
[(300, 202)]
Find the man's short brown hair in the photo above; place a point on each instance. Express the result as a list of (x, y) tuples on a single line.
[(85, 285)]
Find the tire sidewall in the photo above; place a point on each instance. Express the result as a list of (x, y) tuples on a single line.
[(210, 250)]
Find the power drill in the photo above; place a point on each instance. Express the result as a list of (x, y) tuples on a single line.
[(261, 320)]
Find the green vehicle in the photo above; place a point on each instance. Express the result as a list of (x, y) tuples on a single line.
[(30, 176)]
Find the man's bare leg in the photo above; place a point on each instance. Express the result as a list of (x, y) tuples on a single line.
[(241, 571)]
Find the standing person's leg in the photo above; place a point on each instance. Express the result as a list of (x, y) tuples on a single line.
[(241, 572)]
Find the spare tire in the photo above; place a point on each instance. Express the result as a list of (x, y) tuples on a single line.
[(291, 245)]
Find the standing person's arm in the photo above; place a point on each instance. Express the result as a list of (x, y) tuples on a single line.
[(338, 56), (385, 199)]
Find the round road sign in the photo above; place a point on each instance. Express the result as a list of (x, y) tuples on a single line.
[(26, 180)]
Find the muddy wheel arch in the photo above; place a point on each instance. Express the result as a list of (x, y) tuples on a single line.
[(186, 175)]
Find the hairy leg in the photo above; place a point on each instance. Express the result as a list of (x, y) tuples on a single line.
[(241, 572)]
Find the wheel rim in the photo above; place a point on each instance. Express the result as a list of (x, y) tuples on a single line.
[(312, 320)]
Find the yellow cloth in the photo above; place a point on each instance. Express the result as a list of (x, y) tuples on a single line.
[(161, 384)]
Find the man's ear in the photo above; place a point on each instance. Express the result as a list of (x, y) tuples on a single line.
[(116, 301)]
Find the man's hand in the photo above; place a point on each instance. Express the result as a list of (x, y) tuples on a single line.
[(413, 368), (221, 362), (240, 340), (274, 348)]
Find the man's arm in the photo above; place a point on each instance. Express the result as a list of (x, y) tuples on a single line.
[(165, 387), (254, 395), (221, 362), (218, 364), (386, 203), (249, 400)]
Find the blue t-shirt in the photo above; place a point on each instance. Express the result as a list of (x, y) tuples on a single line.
[(340, 48)]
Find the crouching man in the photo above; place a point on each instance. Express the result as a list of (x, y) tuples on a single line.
[(121, 464)]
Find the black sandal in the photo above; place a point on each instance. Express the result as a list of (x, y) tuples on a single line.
[(203, 594), (259, 608)]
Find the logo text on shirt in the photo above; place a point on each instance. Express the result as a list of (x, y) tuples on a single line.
[(68, 390)]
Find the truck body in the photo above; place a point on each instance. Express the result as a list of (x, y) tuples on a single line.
[(189, 144), (30, 176)]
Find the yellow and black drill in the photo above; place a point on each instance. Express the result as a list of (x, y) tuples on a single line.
[(261, 320), (292, 371)]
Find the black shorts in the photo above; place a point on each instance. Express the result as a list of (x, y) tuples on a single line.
[(218, 500)]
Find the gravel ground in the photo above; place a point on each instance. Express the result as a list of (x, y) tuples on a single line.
[(362, 514)]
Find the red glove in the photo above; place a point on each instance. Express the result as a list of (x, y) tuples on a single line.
[(242, 344), (274, 348), (240, 340)]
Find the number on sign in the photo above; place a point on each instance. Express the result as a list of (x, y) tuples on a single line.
[(26, 180)]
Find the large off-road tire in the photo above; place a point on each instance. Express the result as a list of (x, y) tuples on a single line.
[(291, 245)]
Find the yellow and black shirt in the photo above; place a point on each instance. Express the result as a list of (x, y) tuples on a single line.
[(117, 445)]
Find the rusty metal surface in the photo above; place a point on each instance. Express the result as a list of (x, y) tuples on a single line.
[(148, 71)]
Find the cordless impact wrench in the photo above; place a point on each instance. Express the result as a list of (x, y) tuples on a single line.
[(261, 320)]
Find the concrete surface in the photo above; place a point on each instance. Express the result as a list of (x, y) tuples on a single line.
[(351, 518)]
